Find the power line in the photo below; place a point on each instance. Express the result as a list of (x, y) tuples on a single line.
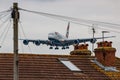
[(4, 15), (6, 11), (5, 32), (71, 19), (110, 29), (21, 43), (2, 24), (24, 35)]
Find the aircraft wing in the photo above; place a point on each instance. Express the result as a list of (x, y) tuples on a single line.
[(77, 41), (36, 42), (62, 43)]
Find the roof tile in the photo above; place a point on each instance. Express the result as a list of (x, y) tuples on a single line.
[(48, 67)]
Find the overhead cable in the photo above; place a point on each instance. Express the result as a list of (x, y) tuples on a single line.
[(2, 24), (66, 18), (5, 27), (21, 27), (5, 32), (6, 11), (4, 15), (21, 45), (110, 29)]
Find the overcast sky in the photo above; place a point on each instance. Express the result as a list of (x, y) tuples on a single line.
[(37, 26)]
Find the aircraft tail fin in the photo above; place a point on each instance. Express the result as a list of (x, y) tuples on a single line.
[(67, 32)]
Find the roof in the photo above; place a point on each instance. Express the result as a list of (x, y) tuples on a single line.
[(49, 67)]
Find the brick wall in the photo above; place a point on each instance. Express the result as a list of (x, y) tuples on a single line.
[(105, 53)]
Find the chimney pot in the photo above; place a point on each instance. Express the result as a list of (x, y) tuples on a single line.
[(81, 49)]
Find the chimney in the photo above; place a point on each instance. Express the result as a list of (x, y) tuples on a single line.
[(81, 49), (105, 53)]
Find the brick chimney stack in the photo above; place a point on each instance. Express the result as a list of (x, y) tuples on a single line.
[(81, 49), (105, 53)]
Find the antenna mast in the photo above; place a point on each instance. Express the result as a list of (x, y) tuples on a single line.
[(93, 29)]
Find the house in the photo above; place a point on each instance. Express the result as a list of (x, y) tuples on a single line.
[(80, 65)]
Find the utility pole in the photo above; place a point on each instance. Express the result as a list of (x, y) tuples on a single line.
[(15, 16)]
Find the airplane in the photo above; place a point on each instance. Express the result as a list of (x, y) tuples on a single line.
[(58, 40)]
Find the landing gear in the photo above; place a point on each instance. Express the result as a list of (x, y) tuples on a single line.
[(67, 47), (51, 47), (63, 47), (56, 48)]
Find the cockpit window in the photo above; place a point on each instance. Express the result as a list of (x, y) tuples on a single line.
[(51, 34), (56, 33)]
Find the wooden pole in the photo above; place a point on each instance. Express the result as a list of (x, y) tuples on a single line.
[(15, 16)]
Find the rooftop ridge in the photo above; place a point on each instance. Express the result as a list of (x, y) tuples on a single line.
[(53, 55)]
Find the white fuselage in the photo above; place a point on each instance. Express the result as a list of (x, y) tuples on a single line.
[(56, 36)]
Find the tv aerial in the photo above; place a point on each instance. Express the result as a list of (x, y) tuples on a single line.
[(93, 30)]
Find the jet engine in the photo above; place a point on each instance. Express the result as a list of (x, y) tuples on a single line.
[(25, 42), (77, 41), (51, 43), (37, 43), (93, 40)]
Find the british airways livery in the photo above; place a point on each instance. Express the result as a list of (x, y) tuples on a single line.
[(57, 40)]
